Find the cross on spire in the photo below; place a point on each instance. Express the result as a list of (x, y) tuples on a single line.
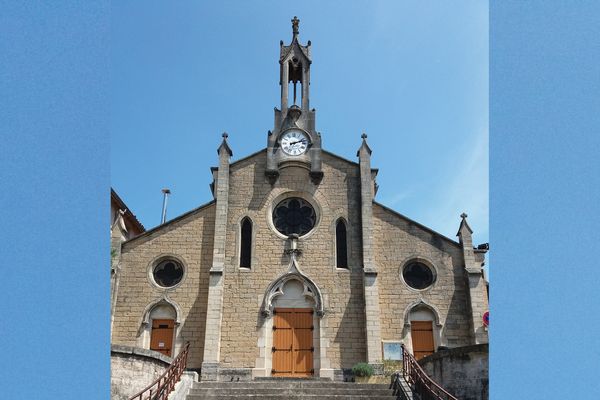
[(295, 25)]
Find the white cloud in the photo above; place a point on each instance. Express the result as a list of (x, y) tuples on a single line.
[(396, 199), (467, 191)]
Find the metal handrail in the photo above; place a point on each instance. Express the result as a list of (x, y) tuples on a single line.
[(399, 390), (162, 387), (419, 381)]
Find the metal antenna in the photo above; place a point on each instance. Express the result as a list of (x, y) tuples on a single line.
[(166, 193)]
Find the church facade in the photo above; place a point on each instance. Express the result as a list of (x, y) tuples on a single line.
[(294, 269)]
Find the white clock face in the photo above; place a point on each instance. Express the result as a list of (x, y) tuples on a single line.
[(294, 142)]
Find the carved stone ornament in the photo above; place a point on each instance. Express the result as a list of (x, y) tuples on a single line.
[(275, 289)]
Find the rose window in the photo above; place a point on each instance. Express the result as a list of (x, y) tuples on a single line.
[(294, 215)]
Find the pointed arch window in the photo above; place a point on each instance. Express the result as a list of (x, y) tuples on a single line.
[(341, 244), (246, 243)]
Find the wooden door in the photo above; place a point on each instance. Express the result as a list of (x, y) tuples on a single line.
[(293, 342), (161, 339), (422, 338)]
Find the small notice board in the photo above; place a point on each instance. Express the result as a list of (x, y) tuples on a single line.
[(392, 351)]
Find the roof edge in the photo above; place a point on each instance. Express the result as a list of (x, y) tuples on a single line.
[(339, 157), (176, 219), (128, 212), (457, 244), (323, 150), (345, 159), (264, 149)]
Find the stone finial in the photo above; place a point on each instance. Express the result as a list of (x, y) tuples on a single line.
[(364, 145), (224, 145), (464, 227), (295, 25)]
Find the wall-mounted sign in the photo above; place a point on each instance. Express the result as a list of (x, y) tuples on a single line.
[(486, 318), (161, 344), (392, 351)]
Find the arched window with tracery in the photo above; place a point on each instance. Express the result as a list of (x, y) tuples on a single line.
[(341, 244), (246, 243)]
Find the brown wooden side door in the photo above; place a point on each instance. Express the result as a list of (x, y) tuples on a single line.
[(293, 342), (422, 338), (161, 339)]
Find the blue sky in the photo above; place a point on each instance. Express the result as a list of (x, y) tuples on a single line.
[(413, 75)]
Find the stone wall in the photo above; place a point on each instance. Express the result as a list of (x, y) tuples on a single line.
[(183, 387), (338, 195), (188, 238), (399, 240), (461, 371), (132, 369)]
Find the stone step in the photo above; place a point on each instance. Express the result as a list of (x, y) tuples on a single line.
[(291, 391), (282, 389), (286, 384), (291, 379), (287, 396)]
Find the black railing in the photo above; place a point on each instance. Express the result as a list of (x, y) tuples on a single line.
[(163, 386), (399, 387), (419, 381)]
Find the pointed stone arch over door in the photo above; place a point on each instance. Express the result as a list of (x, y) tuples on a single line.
[(159, 328), (423, 329), (290, 339)]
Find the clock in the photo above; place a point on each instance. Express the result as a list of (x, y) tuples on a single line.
[(294, 142)]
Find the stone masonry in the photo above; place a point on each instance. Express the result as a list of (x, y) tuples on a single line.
[(189, 238)]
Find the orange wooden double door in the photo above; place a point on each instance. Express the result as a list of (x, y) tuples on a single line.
[(293, 342), (422, 338)]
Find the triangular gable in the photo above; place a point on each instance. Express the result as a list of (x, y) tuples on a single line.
[(168, 224), (423, 227), (258, 153), (325, 152), (353, 163)]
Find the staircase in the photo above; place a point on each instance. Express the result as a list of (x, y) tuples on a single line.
[(281, 389)]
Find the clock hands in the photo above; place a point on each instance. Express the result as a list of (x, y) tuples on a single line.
[(299, 141)]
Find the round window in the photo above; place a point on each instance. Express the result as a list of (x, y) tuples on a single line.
[(168, 273), (417, 275), (294, 215)]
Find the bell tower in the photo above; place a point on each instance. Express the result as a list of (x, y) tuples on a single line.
[(294, 140)]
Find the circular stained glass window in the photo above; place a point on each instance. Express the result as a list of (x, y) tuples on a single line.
[(294, 215), (417, 275), (168, 273)]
